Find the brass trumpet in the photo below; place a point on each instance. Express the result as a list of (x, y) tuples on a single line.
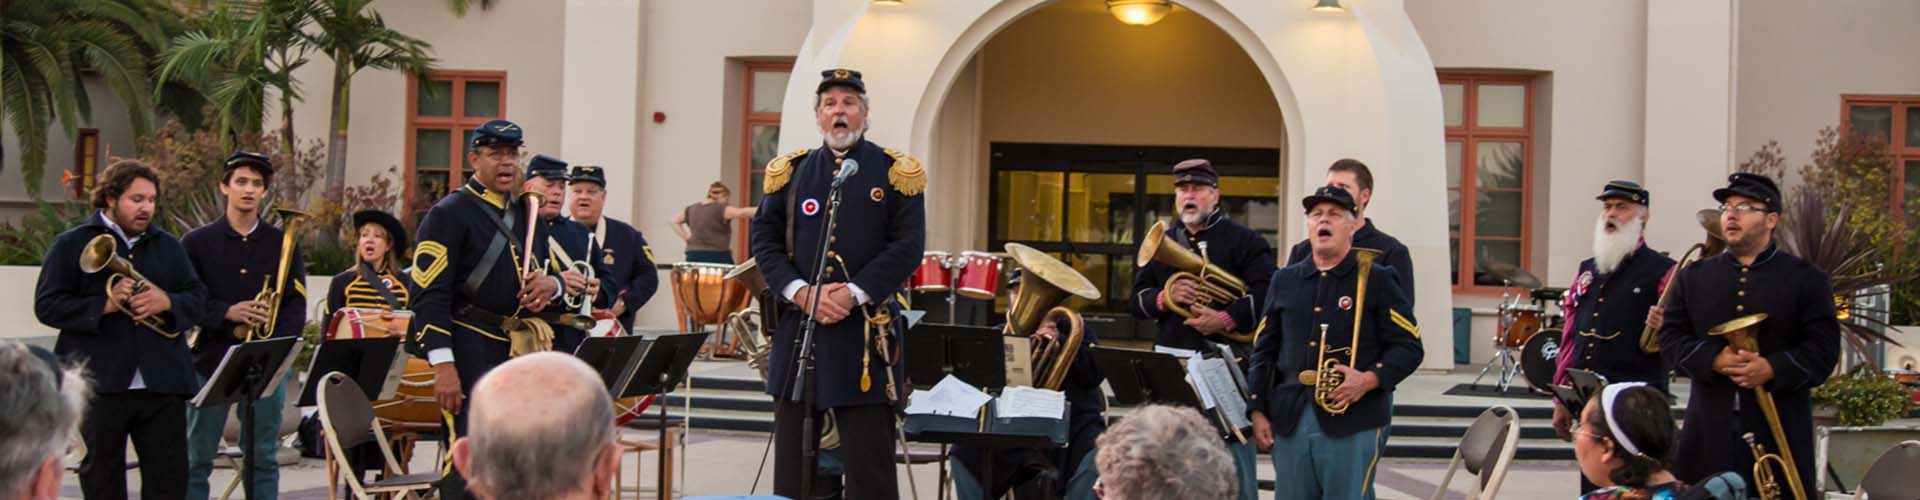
[(1326, 375), (1216, 285), (99, 255), (1049, 282), (1709, 220), (1740, 335), (271, 291)]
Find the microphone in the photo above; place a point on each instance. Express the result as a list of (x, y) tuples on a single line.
[(847, 168)]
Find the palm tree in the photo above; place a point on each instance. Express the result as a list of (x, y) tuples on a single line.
[(235, 53), (356, 38), (46, 50)]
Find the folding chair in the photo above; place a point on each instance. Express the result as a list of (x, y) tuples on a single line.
[(347, 417), (1892, 475), (1486, 450)]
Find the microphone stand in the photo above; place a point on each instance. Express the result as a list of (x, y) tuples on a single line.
[(802, 386)]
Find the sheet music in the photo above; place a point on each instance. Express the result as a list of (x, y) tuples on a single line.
[(1199, 383), (1219, 389), (1029, 402), (394, 371), (950, 397)]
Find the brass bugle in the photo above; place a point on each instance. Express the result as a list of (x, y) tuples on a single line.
[(99, 256), (271, 291)]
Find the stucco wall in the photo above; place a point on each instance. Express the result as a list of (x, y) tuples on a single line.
[(1790, 86), (116, 139)]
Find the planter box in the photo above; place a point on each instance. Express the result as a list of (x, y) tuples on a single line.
[(1850, 450)]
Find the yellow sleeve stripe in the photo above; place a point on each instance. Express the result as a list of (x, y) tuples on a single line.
[(1404, 323), (424, 330), (429, 259), (300, 287), (1259, 329)]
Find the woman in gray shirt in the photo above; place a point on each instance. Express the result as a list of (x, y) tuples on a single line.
[(707, 226)]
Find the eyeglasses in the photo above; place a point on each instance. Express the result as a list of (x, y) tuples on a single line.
[(1744, 209)]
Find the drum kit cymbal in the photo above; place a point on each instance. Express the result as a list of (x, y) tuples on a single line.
[(1526, 344)]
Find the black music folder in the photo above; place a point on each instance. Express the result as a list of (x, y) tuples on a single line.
[(976, 355), (616, 358), (375, 363), (663, 364)]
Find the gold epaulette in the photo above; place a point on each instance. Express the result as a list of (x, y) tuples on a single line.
[(907, 176), (780, 169)]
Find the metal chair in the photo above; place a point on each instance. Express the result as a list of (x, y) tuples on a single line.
[(1485, 450), (347, 416), (1892, 475)]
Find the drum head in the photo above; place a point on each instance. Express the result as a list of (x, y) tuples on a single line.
[(1538, 358)]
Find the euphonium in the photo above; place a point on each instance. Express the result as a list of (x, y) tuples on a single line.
[(748, 325), (1740, 336), (1326, 374), (271, 292), (1709, 220), (1048, 283), (1216, 285), (98, 255)]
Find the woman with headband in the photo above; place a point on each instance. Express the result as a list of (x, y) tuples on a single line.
[(1624, 440)]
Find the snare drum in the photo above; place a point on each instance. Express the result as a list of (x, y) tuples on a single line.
[(363, 322), (1523, 322), (933, 274), (702, 292), (979, 275), (413, 406)]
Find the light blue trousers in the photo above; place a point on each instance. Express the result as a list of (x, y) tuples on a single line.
[(1309, 465)]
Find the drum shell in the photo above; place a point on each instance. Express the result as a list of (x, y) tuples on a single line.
[(413, 405), (933, 275), (979, 276), (702, 292), (1525, 323), (1540, 358)]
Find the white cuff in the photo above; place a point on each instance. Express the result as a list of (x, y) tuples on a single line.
[(560, 287), (441, 355), (792, 289), (859, 296)]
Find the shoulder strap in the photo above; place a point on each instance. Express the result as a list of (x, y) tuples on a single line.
[(494, 248), (373, 280)]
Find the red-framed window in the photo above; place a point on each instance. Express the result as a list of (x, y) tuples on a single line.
[(763, 87), (86, 162), (442, 111), (1895, 121), (1489, 145)]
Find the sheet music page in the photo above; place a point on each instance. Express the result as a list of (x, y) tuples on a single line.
[(1221, 390), (950, 397), (1029, 402), (1199, 384)]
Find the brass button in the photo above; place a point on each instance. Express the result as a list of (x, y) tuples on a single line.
[(1378, 365), (1743, 269), (1312, 343), (1323, 274), (1741, 293), (830, 254), (829, 269), (836, 161), (1596, 315), (831, 239), (1739, 308), (1743, 279), (243, 270), (1603, 300), (1316, 308)]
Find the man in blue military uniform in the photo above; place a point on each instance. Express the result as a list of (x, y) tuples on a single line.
[(468, 269), (237, 256), (1204, 229), (142, 376), (569, 244), (1310, 315), (630, 278), (1799, 340), (1357, 179), (874, 245)]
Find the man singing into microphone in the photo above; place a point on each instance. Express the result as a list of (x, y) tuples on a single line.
[(872, 246)]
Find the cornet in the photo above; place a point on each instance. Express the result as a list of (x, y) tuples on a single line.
[(270, 292), (1740, 336), (97, 256), (1326, 375)]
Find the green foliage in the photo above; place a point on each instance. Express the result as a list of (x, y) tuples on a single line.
[(235, 52), (1865, 397), (309, 342), (26, 244)]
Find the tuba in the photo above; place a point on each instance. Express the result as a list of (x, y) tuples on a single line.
[(1709, 220), (1216, 285), (1740, 335), (1326, 376), (99, 255), (530, 334), (1049, 283), (271, 292), (753, 326)]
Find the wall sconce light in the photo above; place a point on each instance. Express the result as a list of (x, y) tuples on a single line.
[(1139, 12), (1328, 6), (890, 3)]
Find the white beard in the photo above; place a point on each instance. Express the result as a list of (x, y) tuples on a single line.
[(841, 140), (1610, 249), (1192, 220)]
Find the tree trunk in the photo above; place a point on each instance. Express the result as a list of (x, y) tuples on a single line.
[(286, 126), (337, 125)]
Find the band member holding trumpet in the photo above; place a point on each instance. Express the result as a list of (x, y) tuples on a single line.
[(630, 278), (1203, 281), (482, 291), (569, 248), (256, 289), (120, 291), (1755, 329), (874, 244), (1337, 336)]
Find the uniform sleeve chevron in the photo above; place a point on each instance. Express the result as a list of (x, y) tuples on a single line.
[(1404, 323)]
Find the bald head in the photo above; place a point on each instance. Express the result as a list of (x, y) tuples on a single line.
[(539, 427)]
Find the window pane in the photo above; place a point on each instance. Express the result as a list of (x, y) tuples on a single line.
[(429, 186), (1454, 150), (1499, 165), (483, 99), (758, 186), (1453, 267), (1501, 106), (1912, 191), (769, 87), (431, 147), (766, 141), (466, 137), (1029, 204), (1453, 100), (1453, 211), (1871, 121), (1489, 254), (1253, 201), (1100, 208), (435, 98), (1497, 214), (1101, 270), (1913, 128)]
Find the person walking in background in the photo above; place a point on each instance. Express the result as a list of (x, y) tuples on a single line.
[(707, 226)]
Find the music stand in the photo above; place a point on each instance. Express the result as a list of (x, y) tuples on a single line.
[(374, 362), (662, 367), (1140, 377), (242, 378), (973, 354), (615, 358)]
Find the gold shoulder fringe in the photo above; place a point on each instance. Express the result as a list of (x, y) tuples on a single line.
[(780, 169), (907, 176)]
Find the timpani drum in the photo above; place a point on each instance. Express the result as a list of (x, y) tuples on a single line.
[(702, 292), (1524, 322), (979, 275), (933, 275), (413, 406)]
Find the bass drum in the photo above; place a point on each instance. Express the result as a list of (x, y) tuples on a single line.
[(1539, 358), (413, 407)]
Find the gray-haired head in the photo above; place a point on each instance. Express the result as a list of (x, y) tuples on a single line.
[(1168, 452), (538, 425), (43, 403)]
